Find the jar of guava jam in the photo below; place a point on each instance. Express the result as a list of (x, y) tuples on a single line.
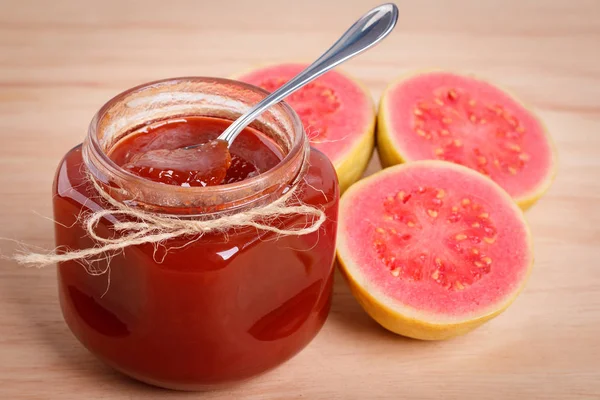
[(196, 312)]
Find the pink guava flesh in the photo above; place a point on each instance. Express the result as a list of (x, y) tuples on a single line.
[(436, 237), (470, 122), (334, 110)]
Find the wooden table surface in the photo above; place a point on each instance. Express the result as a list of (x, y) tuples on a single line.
[(61, 60)]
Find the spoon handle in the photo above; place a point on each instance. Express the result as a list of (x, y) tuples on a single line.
[(363, 34)]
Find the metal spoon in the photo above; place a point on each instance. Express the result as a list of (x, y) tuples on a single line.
[(369, 30)]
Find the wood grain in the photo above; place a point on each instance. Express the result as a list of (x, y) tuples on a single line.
[(61, 60)]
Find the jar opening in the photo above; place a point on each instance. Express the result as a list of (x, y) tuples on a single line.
[(164, 100)]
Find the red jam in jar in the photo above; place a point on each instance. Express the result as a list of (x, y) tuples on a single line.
[(195, 312), (150, 153)]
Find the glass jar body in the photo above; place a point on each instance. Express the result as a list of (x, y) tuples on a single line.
[(195, 313), (221, 309)]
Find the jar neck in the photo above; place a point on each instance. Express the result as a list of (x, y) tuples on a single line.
[(199, 97)]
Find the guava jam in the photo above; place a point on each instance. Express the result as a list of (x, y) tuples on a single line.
[(159, 152), (196, 312)]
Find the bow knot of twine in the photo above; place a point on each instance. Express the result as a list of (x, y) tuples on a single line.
[(145, 227)]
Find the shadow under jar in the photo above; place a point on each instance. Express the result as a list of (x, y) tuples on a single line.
[(195, 312)]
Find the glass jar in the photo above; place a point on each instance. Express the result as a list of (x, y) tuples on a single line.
[(194, 313)]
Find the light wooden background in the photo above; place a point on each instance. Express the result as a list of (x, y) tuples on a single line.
[(61, 60)]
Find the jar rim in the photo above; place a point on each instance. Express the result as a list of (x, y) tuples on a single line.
[(299, 145)]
